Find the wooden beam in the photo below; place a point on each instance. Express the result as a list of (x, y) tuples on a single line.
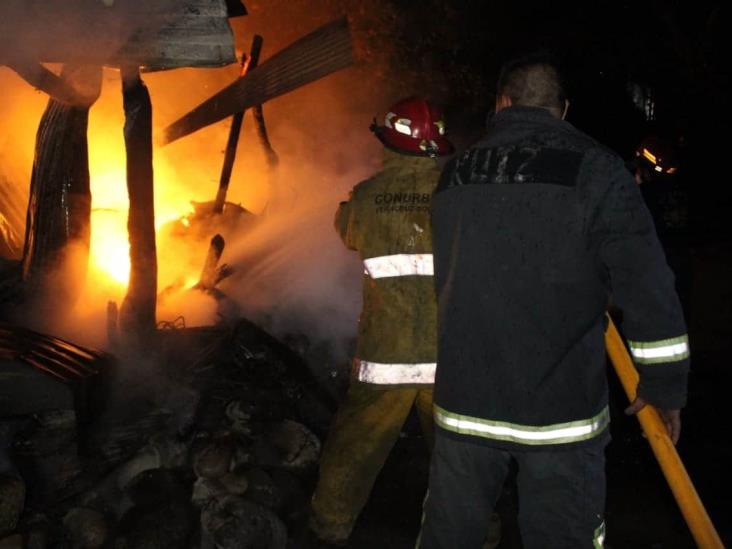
[(57, 87)]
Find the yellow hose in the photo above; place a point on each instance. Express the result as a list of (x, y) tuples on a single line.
[(673, 468)]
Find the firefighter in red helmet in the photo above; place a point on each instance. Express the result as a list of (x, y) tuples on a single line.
[(415, 127), (387, 221)]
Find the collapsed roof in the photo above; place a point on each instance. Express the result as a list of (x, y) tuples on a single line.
[(155, 34)]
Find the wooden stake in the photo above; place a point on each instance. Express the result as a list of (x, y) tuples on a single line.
[(247, 64), (137, 314), (209, 272)]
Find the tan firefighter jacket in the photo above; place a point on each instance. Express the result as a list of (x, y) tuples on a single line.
[(387, 220)]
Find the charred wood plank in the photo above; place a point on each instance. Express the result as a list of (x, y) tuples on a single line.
[(210, 273), (322, 52), (59, 89), (247, 64), (137, 314), (261, 127)]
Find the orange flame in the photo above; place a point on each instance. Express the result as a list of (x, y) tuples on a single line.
[(109, 250), (182, 173)]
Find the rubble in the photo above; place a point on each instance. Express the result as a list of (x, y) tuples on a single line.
[(233, 523), (12, 542), (12, 500), (85, 528), (218, 446)]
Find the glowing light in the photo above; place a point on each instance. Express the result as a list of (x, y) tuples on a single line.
[(650, 156), (109, 249), (180, 176), (109, 257)]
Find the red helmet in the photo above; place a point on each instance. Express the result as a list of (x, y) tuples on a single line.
[(414, 126)]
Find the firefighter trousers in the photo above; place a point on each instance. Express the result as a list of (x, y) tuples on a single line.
[(363, 434), (561, 495)]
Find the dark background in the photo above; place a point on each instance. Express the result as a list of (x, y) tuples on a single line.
[(452, 50)]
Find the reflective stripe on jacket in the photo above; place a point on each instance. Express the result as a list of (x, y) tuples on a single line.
[(387, 220)]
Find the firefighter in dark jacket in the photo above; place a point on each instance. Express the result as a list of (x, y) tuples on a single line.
[(387, 221), (535, 229)]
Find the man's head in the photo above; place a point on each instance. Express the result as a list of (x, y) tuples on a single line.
[(532, 81)]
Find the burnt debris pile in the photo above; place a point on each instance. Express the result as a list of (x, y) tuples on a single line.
[(212, 442)]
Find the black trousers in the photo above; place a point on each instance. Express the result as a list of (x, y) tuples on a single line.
[(561, 495)]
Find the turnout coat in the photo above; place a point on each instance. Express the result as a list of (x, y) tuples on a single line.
[(536, 228), (387, 220)]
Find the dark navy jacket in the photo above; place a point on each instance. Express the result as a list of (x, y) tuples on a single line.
[(536, 228)]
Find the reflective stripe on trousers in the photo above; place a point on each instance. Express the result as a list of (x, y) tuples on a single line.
[(380, 373), (558, 433), (399, 265), (674, 349), (598, 542)]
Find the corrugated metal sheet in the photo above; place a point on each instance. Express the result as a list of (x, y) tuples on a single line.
[(41, 372), (13, 200), (56, 357), (318, 54), (155, 34)]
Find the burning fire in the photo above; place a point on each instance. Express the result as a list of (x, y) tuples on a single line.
[(109, 246), (187, 172), (109, 250)]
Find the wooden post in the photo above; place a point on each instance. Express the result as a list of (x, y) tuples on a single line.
[(137, 314)]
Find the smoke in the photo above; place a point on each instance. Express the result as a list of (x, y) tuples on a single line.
[(293, 275)]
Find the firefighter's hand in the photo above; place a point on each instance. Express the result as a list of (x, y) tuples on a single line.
[(671, 418)]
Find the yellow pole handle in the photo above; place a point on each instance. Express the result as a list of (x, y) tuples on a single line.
[(673, 468)]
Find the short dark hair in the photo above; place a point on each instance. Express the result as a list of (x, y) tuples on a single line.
[(533, 80)]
